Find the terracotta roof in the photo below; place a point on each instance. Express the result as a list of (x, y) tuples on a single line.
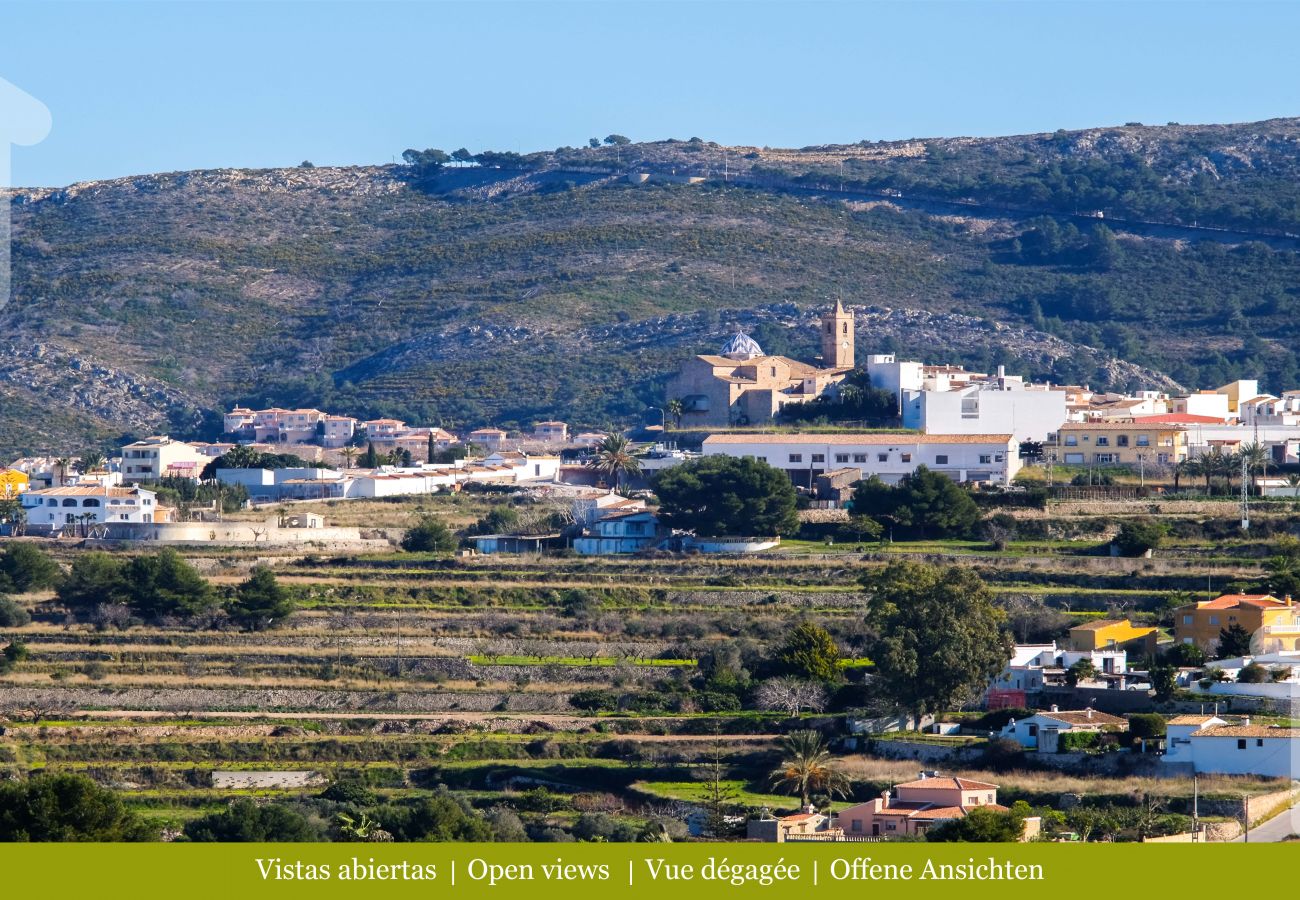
[(952, 784), (1111, 426), (1177, 419), (1258, 731), (940, 812), (800, 817), (84, 491), (1084, 717), (1190, 720), (1100, 623), (625, 513), (1232, 601), (863, 439)]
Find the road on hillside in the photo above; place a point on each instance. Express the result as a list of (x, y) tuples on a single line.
[(1275, 829)]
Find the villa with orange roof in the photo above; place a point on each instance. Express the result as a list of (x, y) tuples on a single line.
[(916, 806), (1274, 623)]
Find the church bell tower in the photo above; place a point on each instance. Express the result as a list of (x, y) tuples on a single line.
[(837, 338)]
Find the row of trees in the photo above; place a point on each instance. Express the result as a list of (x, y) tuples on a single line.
[(163, 585), (1227, 465)]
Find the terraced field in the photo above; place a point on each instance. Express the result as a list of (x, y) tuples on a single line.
[(555, 686)]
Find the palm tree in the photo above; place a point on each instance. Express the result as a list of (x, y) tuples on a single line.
[(676, 408), (1256, 456), (1293, 482), (807, 767), (614, 460), (92, 461), (61, 465), (349, 455), (1182, 469)]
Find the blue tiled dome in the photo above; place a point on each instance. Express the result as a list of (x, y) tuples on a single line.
[(741, 346)]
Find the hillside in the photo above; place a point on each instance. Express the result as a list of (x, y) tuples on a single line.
[(554, 286)]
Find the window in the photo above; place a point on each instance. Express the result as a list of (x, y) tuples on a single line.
[(1103, 441), (761, 458), (796, 457), (905, 457), (1144, 440), (986, 458), (857, 825), (989, 798), (1105, 457), (1214, 620), (1241, 744), (1074, 457), (1187, 620), (819, 457), (859, 457), (841, 457), (1071, 440), (941, 459), (882, 457), (970, 407), (1121, 440), (1259, 742)]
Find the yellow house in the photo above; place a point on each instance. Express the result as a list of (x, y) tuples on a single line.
[(13, 483), (1120, 443), (1120, 634), (1237, 392), (1274, 624)]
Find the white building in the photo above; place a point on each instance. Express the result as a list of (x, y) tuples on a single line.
[(988, 458), (629, 531), (1042, 731), (950, 400), (1209, 745), (1029, 415), (59, 506), (159, 456)]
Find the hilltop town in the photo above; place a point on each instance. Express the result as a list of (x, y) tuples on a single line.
[(716, 624)]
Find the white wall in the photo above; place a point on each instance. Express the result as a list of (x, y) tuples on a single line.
[(961, 461), (1028, 415), (1273, 757)]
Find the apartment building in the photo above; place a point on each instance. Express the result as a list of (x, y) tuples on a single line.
[(160, 456), (1274, 623), (1121, 443), (985, 458)]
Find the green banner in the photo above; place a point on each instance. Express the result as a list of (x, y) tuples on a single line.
[(573, 872)]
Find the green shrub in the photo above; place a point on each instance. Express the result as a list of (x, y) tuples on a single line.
[(12, 615)]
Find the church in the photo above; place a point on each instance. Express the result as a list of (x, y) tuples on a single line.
[(741, 385)]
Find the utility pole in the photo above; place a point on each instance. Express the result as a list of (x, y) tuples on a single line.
[(1196, 808), (1245, 494)]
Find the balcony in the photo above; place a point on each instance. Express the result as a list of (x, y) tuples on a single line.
[(1293, 628)]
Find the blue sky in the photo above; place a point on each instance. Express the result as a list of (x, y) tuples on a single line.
[(144, 87)]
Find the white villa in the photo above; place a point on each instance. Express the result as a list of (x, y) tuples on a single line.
[(56, 507), (156, 457)]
